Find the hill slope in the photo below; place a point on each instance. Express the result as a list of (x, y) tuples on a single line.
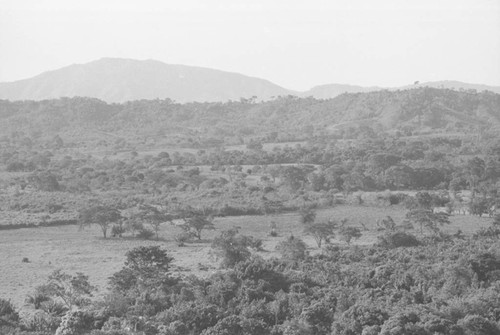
[(119, 80), (330, 91), (415, 111)]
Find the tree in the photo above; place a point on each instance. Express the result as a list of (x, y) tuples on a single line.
[(295, 176), (321, 231), (387, 224), (145, 268), (196, 224), (73, 291), (292, 248), (478, 325), (153, 217), (231, 247), (45, 181), (307, 215), (8, 314), (349, 233), (474, 170), (101, 215), (426, 218)]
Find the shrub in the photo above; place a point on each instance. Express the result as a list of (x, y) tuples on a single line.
[(37, 298), (398, 239), (231, 247), (484, 264), (348, 233), (145, 234), (396, 199), (182, 238), (75, 323), (292, 248), (478, 325), (117, 230), (41, 322), (53, 308), (490, 232), (8, 314)]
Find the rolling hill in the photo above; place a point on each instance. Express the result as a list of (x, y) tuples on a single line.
[(330, 91), (413, 111)]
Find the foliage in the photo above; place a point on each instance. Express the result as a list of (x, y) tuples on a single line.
[(321, 231), (196, 224), (75, 323), (426, 218), (145, 234), (397, 240), (293, 248), (8, 314), (103, 216), (347, 234), (152, 216), (72, 290), (307, 215), (145, 268), (231, 247)]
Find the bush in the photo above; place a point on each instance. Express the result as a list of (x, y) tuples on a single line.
[(117, 231), (8, 313), (75, 323), (490, 232), (347, 234), (231, 247), (182, 238), (53, 308), (42, 322), (398, 239), (145, 234), (396, 199), (292, 248), (478, 325)]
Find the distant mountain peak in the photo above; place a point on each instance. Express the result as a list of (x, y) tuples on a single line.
[(121, 79)]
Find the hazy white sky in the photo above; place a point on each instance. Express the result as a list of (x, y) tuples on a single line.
[(294, 43)]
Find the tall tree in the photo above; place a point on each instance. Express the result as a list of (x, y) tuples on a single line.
[(101, 215)]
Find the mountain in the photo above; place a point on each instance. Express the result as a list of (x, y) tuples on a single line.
[(119, 80), (332, 90)]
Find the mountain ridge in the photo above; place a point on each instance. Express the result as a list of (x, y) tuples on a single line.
[(120, 79)]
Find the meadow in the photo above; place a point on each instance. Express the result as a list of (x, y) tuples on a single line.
[(75, 250)]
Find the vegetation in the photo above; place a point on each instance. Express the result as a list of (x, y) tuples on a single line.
[(310, 257)]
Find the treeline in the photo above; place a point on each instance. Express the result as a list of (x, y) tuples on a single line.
[(409, 112)]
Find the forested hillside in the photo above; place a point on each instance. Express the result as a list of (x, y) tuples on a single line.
[(409, 112)]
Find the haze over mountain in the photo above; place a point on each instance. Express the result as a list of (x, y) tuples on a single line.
[(119, 80)]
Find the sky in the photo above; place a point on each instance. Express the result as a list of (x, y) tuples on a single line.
[(294, 43)]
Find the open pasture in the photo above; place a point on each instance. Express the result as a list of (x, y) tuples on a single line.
[(74, 250)]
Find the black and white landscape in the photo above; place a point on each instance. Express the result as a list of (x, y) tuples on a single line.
[(328, 168)]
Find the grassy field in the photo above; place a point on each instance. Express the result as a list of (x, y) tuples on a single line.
[(86, 251)]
